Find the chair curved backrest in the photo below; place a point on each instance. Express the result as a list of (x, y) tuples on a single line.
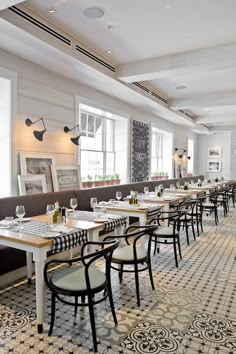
[(106, 251)]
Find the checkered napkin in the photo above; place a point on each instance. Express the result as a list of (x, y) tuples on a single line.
[(60, 243), (109, 225)]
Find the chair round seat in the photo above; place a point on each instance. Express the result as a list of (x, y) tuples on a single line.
[(126, 253), (73, 278), (164, 231)]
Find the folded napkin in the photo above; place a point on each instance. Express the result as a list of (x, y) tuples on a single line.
[(63, 229), (6, 223)]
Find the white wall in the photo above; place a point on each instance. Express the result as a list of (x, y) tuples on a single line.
[(218, 139), (43, 93)]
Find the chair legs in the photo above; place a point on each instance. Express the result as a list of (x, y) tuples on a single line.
[(53, 308), (150, 274), (137, 283), (92, 321)]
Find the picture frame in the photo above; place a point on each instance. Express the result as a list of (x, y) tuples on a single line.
[(38, 164), (66, 177), (32, 184), (213, 166), (215, 152)]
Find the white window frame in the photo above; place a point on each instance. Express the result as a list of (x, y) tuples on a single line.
[(104, 140)]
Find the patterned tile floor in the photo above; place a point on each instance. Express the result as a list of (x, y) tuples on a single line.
[(191, 311)]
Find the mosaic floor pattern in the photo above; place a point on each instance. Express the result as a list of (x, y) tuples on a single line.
[(192, 309)]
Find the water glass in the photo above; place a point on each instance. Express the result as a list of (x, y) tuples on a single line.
[(178, 185), (146, 190), (118, 195), (192, 181), (172, 187), (50, 211), (73, 203), (93, 202), (20, 212), (161, 187)]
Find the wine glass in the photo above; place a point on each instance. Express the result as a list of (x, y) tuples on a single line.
[(73, 203), (118, 196), (50, 210), (146, 190), (178, 185), (20, 212), (93, 202)]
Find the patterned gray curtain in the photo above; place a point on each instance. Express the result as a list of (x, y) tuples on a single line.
[(140, 151)]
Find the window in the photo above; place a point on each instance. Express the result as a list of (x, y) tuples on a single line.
[(157, 152), (190, 155), (5, 137), (97, 145)]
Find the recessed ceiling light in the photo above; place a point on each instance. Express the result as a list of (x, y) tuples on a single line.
[(180, 87), (108, 51), (169, 94), (51, 11), (94, 12)]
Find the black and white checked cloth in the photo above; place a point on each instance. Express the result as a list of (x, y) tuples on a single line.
[(60, 243), (112, 222)]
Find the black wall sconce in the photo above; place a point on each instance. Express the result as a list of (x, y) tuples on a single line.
[(37, 134), (76, 139), (185, 152)]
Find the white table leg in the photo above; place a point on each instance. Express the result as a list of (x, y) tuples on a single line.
[(39, 259), (29, 258)]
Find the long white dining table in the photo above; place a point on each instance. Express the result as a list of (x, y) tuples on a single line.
[(123, 208)]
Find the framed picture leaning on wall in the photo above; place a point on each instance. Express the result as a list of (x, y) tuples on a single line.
[(38, 164), (66, 178), (214, 152), (32, 184), (213, 166)]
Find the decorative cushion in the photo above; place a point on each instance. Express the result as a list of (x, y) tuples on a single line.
[(126, 253), (73, 278), (208, 205)]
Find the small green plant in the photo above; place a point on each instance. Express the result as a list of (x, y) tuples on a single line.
[(89, 178), (117, 176)]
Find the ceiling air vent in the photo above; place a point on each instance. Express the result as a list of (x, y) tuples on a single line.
[(141, 86), (40, 25), (185, 113), (159, 97), (94, 57)]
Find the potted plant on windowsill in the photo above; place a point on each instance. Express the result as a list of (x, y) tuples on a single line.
[(117, 178), (90, 181)]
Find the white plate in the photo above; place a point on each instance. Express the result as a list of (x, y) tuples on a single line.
[(23, 219), (101, 220), (50, 234)]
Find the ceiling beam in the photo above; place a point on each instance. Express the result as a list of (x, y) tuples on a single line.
[(207, 101), (229, 119), (4, 4), (212, 58)]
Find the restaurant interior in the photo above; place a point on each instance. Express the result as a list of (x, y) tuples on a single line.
[(118, 177)]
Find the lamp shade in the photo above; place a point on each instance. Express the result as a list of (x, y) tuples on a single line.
[(39, 134), (75, 140)]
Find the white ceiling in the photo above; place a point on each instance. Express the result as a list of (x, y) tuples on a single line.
[(163, 44)]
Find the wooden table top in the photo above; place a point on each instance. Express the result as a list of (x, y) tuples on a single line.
[(39, 242)]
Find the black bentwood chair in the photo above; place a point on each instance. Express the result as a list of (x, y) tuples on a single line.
[(169, 223), (134, 252), (82, 280)]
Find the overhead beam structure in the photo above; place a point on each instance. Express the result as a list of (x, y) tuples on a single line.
[(212, 58), (4, 4), (216, 119), (207, 101)]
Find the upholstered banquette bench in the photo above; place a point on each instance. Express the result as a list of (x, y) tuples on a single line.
[(11, 259)]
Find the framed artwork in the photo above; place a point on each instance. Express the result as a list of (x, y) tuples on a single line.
[(38, 164), (140, 151), (214, 152), (214, 166), (66, 178), (32, 184)]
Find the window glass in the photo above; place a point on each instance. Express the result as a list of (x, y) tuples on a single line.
[(97, 145)]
